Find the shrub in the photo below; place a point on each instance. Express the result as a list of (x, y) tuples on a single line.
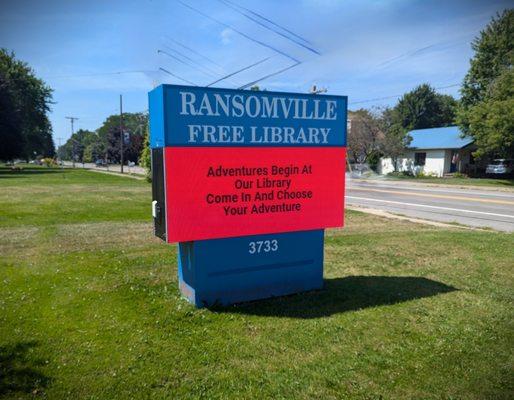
[(48, 162), (145, 158), (427, 175), (401, 174)]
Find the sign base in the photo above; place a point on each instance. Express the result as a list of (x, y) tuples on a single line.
[(227, 271)]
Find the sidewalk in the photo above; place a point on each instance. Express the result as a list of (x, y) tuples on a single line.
[(137, 170)]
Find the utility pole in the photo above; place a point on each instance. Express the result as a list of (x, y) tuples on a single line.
[(72, 120), (121, 131), (60, 140), (315, 90)]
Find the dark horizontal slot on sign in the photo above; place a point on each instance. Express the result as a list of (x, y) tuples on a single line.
[(262, 268)]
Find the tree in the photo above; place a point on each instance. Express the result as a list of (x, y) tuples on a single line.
[(132, 145), (88, 146), (24, 104), (492, 120), (418, 109), (424, 108), (364, 135), (486, 111), (93, 152), (11, 133), (132, 122), (132, 149), (109, 134), (494, 52), (113, 145), (448, 108), (396, 138), (75, 146)]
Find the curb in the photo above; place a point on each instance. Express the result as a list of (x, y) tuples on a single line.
[(385, 214)]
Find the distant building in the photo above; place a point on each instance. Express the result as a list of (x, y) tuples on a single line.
[(434, 151)]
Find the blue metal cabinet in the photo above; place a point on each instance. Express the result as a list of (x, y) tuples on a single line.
[(225, 271)]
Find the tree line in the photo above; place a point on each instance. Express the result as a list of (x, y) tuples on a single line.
[(105, 142), (485, 111), (25, 100)]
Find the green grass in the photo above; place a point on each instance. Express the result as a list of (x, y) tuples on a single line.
[(89, 308), (494, 182), (61, 196)]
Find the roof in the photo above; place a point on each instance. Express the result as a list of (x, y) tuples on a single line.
[(448, 137)]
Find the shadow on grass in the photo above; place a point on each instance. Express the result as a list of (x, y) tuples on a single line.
[(507, 182), (19, 372), (9, 173), (344, 294)]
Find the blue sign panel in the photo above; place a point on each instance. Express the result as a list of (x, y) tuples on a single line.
[(226, 117), (225, 271)]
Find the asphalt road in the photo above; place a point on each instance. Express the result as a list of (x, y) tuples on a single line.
[(473, 207)]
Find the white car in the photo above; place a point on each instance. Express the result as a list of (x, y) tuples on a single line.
[(500, 166)]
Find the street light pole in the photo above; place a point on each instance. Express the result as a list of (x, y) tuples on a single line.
[(121, 131)]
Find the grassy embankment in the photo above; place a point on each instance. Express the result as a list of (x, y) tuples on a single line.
[(486, 182), (89, 308)]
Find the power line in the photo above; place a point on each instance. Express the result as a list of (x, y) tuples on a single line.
[(193, 51), (238, 31), (214, 73), (184, 62), (409, 53), (269, 21), (235, 8), (269, 75), (238, 71), (176, 76), (191, 60), (398, 95), (420, 50)]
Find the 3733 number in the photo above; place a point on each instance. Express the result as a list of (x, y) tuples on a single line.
[(262, 246)]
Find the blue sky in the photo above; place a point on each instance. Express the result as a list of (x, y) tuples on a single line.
[(369, 49)]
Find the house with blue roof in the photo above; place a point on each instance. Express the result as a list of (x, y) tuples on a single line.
[(434, 151)]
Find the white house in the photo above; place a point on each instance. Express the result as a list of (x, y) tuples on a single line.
[(434, 151)]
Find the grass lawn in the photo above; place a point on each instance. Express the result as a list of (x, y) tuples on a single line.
[(89, 308), (494, 182)]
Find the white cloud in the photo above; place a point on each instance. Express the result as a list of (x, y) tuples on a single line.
[(226, 36)]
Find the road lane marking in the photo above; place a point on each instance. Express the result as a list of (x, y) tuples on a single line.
[(490, 193), (435, 207), (439, 196)]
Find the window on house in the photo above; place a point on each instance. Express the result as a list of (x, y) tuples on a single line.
[(419, 159)]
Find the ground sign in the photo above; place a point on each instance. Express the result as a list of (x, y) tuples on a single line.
[(233, 172)]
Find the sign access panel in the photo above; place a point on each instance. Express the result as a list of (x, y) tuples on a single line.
[(230, 164)]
